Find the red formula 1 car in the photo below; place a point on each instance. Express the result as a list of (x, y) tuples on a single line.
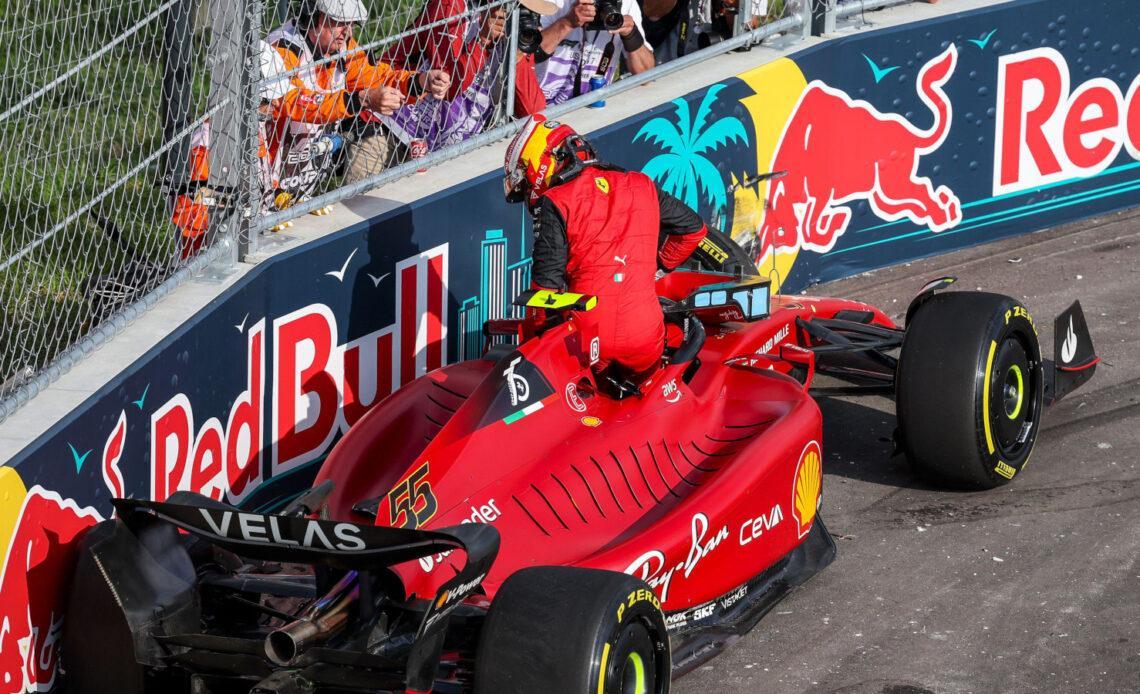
[(518, 523)]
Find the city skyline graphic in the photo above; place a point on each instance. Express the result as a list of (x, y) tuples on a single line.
[(500, 282)]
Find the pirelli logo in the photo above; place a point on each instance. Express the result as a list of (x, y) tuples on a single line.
[(718, 254), (1005, 470)]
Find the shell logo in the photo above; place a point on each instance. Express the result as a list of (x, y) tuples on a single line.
[(806, 487)]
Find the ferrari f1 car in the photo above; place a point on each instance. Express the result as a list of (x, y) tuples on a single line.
[(519, 523)]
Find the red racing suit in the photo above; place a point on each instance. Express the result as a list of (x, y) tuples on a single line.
[(606, 232)]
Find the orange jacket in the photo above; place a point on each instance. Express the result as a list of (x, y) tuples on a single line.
[(329, 101)]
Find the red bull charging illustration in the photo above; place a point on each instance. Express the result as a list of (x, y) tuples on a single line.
[(38, 562), (836, 149)]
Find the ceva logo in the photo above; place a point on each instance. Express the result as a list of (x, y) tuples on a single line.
[(1047, 132)]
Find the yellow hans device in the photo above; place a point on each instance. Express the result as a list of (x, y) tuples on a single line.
[(556, 301)]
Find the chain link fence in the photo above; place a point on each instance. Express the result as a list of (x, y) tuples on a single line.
[(145, 139), (97, 99)]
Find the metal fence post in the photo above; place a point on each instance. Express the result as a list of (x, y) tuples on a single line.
[(251, 173), (176, 90), (229, 61), (512, 63), (823, 17)]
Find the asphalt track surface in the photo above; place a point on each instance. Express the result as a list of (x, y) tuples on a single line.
[(1032, 587)]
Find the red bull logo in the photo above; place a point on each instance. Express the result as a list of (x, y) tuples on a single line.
[(837, 150), (317, 388), (1047, 132), (38, 564)]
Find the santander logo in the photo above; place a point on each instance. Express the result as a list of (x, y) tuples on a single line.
[(1047, 131)]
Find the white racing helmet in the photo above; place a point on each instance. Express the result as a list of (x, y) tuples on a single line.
[(342, 10), (274, 83)]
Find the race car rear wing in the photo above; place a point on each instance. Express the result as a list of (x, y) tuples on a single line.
[(138, 558), (1074, 359), (308, 540)]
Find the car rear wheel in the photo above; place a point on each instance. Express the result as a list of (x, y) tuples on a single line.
[(969, 389), (717, 252), (565, 630)]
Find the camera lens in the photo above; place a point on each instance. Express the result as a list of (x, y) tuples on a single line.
[(608, 16), (530, 31)]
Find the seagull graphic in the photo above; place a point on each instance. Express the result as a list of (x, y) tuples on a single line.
[(142, 398), (78, 458), (241, 326), (339, 274), (879, 72), (376, 280), (981, 43)]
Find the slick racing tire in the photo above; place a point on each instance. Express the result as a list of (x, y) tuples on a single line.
[(565, 630), (719, 253), (969, 389)]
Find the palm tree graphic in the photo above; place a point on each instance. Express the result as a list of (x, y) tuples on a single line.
[(683, 168)]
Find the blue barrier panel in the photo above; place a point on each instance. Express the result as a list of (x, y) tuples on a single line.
[(897, 144)]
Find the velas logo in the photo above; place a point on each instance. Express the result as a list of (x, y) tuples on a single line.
[(317, 388), (806, 486), (1046, 131), (837, 150), (37, 566)]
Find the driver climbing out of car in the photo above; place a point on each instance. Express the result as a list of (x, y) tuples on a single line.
[(601, 230)]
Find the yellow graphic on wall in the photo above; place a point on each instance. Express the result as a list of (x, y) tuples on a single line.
[(778, 86), (12, 493)]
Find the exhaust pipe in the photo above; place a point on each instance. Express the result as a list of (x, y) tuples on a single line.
[(321, 621)]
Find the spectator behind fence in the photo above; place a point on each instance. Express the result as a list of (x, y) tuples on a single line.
[(575, 48), (192, 201), (475, 53), (325, 95), (677, 27)]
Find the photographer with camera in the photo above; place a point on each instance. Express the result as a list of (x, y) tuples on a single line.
[(325, 97), (449, 36), (582, 42)]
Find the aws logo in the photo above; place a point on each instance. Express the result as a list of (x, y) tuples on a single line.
[(806, 487)]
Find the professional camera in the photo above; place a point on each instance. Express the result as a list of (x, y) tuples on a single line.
[(609, 16), (530, 30)]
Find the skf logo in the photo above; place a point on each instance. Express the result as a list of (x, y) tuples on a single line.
[(1047, 132), (602, 184), (806, 486)]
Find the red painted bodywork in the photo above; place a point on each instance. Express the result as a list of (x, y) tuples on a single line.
[(678, 486)]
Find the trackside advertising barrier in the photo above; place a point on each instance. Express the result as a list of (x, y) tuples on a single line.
[(897, 144)]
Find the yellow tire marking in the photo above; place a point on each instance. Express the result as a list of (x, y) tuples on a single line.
[(986, 397), (602, 669)]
